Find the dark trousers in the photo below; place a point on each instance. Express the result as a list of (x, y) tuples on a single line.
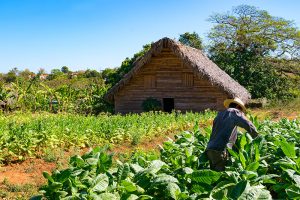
[(217, 159)]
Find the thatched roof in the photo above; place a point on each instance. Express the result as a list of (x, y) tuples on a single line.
[(192, 57)]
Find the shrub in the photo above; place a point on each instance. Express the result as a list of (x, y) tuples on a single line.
[(151, 104)]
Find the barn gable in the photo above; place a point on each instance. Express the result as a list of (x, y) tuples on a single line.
[(177, 75)]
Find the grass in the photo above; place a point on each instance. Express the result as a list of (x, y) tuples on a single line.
[(287, 106), (279, 109)]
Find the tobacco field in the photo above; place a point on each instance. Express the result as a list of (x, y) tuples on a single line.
[(267, 167), (27, 135)]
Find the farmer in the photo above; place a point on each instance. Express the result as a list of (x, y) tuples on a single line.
[(224, 132)]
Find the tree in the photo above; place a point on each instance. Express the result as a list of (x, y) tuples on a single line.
[(125, 67), (191, 39), (65, 70), (55, 73), (248, 29), (11, 76), (91, 73), (241, 41), (41, 71), (107, 74), (26, 74)]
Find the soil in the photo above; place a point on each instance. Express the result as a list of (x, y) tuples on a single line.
[(29, 171)]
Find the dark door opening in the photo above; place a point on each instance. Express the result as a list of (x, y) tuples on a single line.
[(168, 104)]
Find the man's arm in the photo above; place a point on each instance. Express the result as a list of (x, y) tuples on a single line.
[(243, 122)]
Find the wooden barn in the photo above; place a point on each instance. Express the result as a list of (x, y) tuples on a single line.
[(180, 77)]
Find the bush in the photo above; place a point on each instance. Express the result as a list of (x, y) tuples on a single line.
[(151, 104)]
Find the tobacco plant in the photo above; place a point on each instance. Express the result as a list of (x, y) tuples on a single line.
[(266, 167)]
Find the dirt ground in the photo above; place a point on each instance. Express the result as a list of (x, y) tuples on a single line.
[(22, 180)]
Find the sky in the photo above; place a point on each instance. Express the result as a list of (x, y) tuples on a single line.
[(99, 34)]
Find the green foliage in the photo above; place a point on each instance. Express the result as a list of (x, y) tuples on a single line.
[(242, 42), (116, 75), (80, 95), (286, 65), (250, 30), (11, 76), (65, 69), (151, 104), (267, 167), (55, 73), (92, 73), (26, 135), (191, 39), (108, 75)]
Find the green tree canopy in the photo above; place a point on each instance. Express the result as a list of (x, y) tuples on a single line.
[(191, 39), (241, 42), (11, 76), (250, 30), (116, 75), (26, 74), (92, 73), (55, 73), (65, 69)]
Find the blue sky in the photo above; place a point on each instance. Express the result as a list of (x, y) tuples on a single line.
[(97, 34)]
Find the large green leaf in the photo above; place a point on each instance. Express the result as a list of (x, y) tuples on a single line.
[(293, 191), (243, 142), (100, 183), (238, 190), (256, 152), (256, 193), (155, 166), (252, 166), (221, 189), (187, 170), (128, 186), (266, 178), (55, 186), (105, 196), (248, 175), (205, 176), (286, 163), (136, 168), (232, 175), (242, 159), (288, 148), (92, 161), (173, 190), (76, 161), (62, 194), (201, 188), (48, 176), (133, 197), (293, 176), (104, 162), (145, 197), (164, 178), (123, 171), (233, 153)]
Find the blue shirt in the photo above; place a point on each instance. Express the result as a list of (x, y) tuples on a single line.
[(224, 132)]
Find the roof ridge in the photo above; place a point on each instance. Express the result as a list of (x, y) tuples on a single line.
[(196, 59)]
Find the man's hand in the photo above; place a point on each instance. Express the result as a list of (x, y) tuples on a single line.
[(254, 134)]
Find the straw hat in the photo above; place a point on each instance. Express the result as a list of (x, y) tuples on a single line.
[(236, 100)]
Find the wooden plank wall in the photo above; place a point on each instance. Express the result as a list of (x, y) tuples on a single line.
[(165, 76)]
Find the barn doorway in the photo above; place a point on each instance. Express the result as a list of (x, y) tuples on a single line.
[(168, 104)]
